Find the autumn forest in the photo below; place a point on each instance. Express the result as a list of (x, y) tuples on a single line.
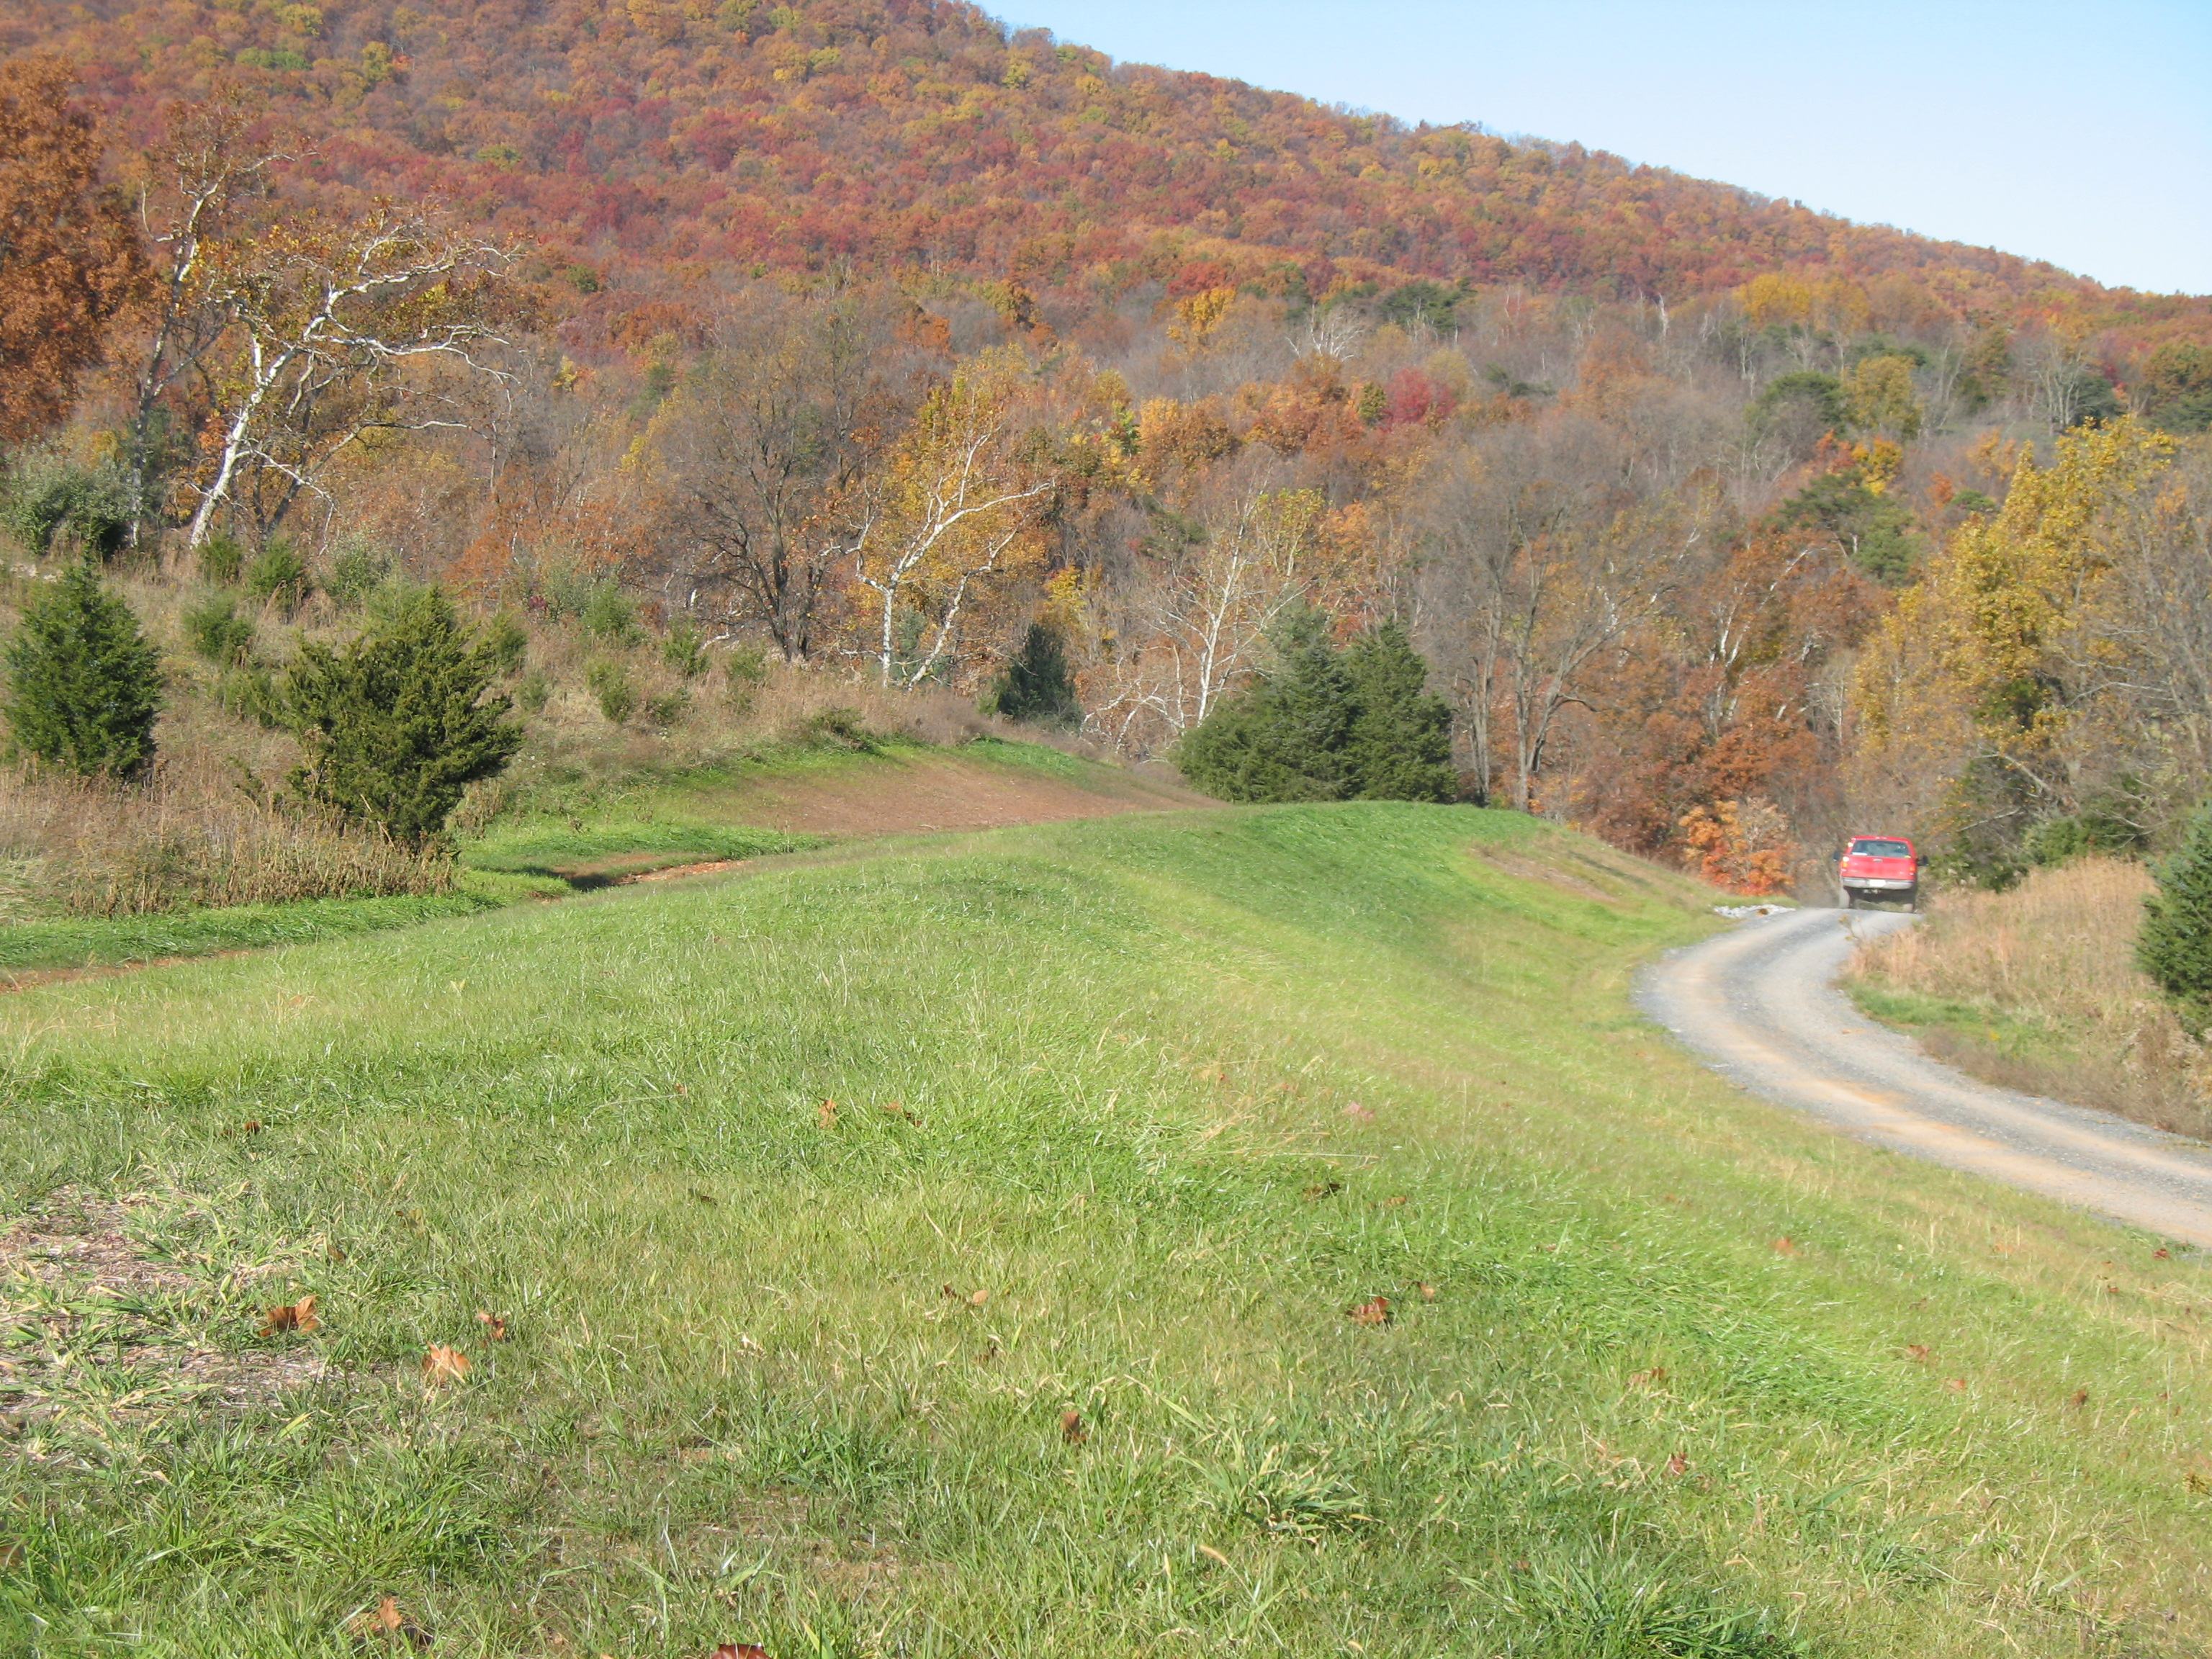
[(864, 340)]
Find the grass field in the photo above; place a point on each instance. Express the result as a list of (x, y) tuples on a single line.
[(976, 1249)]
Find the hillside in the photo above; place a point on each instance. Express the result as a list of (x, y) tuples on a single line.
[(978, 1248), (674, 137)]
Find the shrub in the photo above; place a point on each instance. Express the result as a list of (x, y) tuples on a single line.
[(83, 685), (216, 630), (609, 681), (608, 615), (1035, 686), (400, 723), (684, 651), (2175, 945), (64, 504), (220, 559), (506, 643), (533, 692), (1324, 725), (277, 575), (667, 708), (357, 572)]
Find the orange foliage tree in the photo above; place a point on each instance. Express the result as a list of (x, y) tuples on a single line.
[(70, 259)]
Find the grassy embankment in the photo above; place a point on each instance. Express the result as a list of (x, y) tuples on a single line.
[(2037, 988), (576, 832), (1128, 1116)]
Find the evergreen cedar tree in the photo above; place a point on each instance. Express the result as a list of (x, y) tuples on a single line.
[(398, 725), (2175, 945), (1328, 724), (83, 685), (70, 256), (1035, 687)]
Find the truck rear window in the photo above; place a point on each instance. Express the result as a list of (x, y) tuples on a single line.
[(1881, 849)]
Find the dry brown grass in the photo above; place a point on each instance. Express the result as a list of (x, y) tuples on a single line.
[(2055, 955), (187, 837)]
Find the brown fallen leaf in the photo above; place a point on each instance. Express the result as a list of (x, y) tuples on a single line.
[(442, 1364), (1071, 1427), (948, 1292), (386, 1621), (1785, 1246), (1396, 1201), (495, 1325), (1678, 1464), (1321, 1189), (898, 1108), (739, 1650), (827, 1111), (2162, 1253), (292, 1316), (251, 1126), (1428, 1291), (1650, 1379), (1917, 1352), (1375, 1310), (977, 1298), (1359, 1114), (2078, 1399), (1954, 1384)]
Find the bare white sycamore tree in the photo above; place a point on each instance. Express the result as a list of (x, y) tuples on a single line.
[(1202, 616), (321, 325), (953, 518)]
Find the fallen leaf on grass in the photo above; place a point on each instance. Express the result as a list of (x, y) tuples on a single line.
[(442, 1364), (898, 1108), (1917, 1352), (2162, 1253), (1678, 1464), (1359, 1114), (251, 1126), (1650, 1379), (977, 1298), (1375, 1310), (1428, 1291), (1071, 1427), (739, 1650), (1954, 1385), (1321, 1189), (292, 1316), (2078, 1398), (1213, 1554), (384, 1620), (1396, 1201), (1785, 1246), (827, 1111), (495, 1325)]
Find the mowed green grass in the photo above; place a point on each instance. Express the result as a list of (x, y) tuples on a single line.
[(1129, 1116)]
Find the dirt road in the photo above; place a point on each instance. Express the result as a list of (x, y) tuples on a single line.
[(1760, 1003)]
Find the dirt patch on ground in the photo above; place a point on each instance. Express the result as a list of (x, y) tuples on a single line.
[(894, 794), (90, 1316), (1526, 868)]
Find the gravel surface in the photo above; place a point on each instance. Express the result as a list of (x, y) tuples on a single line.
[(1759, 1004)]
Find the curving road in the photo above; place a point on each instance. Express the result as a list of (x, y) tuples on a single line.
[(1759, 1004)]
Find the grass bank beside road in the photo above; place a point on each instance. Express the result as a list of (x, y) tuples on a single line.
[(1258, 1233), (2037, 988)]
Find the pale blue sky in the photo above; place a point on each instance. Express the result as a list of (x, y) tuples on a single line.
[(2080, 133)]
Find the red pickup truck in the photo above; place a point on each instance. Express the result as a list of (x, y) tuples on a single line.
[(1879, 867)]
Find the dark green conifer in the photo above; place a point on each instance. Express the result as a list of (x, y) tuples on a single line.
[(83, 685), (2175, 944)]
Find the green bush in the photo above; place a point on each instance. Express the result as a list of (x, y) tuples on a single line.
[(400, 723), (609, 681), (533, 691), (278, 575), (216, 630), (666, 709), (506, 642), (2175, 945), (220, 559), (684, 651), (56, 503), (250, 692), (357, 572), (1034, 685), (83, 685), (1326, 724), (609, 615)]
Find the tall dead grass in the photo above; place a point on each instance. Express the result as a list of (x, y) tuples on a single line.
[(188, 837), (2055, 953)]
